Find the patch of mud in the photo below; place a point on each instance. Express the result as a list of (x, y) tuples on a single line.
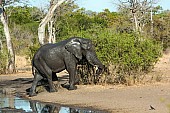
[(151, 97)]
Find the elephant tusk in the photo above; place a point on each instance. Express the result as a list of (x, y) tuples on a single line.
[(96, 67)]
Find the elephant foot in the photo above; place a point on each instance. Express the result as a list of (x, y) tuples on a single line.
[(32, 94), (53, 90), (72, 88)]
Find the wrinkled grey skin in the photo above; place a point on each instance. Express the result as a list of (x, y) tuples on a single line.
[(53, 58)]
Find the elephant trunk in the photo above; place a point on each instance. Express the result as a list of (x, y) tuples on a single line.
[(94, 61)]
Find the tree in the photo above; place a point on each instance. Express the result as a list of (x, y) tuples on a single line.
[(139, 12), (10, 67), (46, 19)]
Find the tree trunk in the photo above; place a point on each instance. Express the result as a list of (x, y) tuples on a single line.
[(51, 32), (151, 22), (53, 35), (135, 21), (41, 29), (11, 56), (1, 46)]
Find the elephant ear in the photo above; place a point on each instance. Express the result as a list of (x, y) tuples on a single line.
[(74, 47)]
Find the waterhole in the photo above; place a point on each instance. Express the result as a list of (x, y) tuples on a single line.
[(11, 104)]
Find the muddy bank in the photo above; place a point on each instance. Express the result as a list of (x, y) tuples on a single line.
[(134, 99), (120, 99)]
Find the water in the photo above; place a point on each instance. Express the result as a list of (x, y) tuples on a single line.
[(10, 104)]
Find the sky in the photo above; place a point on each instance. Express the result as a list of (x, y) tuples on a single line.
[(98, 5)]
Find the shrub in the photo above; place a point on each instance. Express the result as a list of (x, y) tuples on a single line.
[(3, 59), (132, 55), (127, 56), (33, 48)]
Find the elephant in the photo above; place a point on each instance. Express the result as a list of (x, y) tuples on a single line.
[(65, 55)]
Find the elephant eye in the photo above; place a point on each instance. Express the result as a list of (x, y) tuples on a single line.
[(84, 42)]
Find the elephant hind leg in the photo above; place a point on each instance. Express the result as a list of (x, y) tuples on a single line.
[(37, 78), (49, 74)]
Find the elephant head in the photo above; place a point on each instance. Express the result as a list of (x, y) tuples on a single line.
[(83, 48)]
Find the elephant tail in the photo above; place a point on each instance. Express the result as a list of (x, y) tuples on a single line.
[(33, 70)]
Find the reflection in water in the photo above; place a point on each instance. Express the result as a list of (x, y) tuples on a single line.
[(8, 102)]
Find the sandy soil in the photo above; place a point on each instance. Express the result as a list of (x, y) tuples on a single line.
[(141, 98)]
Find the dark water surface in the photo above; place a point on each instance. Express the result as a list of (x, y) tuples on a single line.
[(10, 104)]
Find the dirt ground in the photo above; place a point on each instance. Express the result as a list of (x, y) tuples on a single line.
[(151, 97)]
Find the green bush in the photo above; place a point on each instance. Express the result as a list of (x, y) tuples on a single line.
[(33, 48), (3, 61), (126, 56)]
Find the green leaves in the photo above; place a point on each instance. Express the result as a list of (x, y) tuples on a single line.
[(23, 14), (130, 53)]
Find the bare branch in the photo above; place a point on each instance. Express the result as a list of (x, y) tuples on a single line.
[(46, 19)]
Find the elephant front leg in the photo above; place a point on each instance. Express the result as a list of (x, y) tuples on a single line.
[(72, 73), (72, 87)]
